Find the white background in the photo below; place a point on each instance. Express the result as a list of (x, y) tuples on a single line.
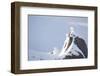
[(5, 41)]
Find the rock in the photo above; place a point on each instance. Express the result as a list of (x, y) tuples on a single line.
[(81, 44)]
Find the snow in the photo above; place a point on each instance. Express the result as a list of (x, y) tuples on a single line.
[(55, 54)]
